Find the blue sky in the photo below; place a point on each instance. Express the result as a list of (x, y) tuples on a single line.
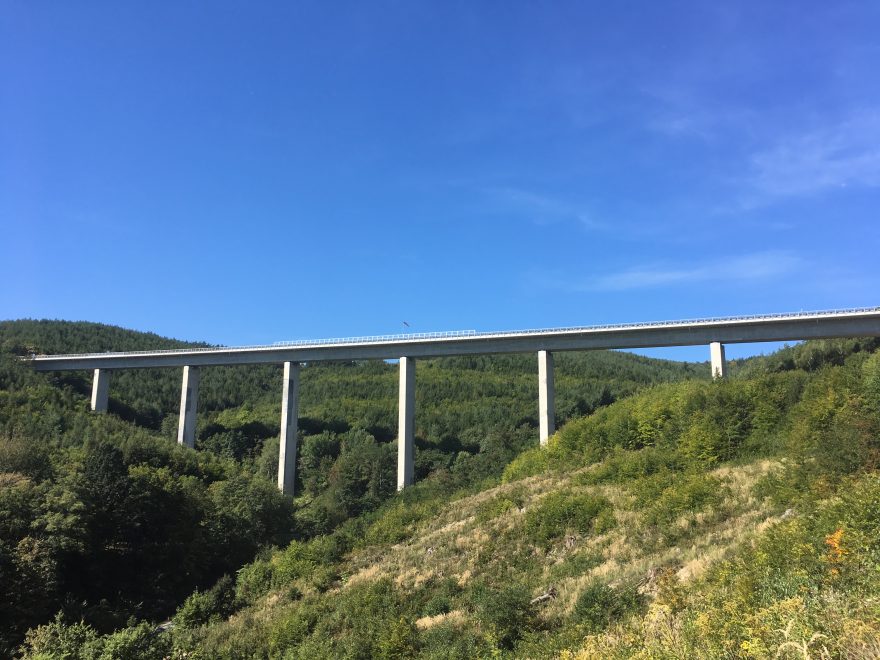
[(252, 172)]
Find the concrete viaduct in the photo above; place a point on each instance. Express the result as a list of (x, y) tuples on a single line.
[(716, 332)]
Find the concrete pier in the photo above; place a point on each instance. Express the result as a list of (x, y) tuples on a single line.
[(546, 396), (719, 364), (189, 403), (406, 423), (287, 447), (100, 390)]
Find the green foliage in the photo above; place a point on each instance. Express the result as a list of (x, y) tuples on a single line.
[(623, 465), (108, 521), (491, 509), (575, 565), (503, 613), (811, 574), (202, 607), (667, 496), (59, 640), (567, 512), (79, 641), (396, 523), (397, 641), (21, 455), (366, 622), (441, 594), (528, 463), (599, 605), (811, 355), (449, 641), (139, 642), (292, 628), (871, 381)]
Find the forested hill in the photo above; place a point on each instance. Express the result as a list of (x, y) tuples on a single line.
[(103, 518), (731, 519), (454, 394)]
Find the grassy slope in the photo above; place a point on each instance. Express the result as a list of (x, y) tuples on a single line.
[(458, 543), (743, 554)]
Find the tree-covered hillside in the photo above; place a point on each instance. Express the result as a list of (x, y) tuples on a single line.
[(735, 519), (686, 518), (104, 519), (731, 519)]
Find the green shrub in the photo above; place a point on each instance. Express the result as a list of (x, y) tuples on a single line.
[(291, 628), (295, 561), (871, 382), (139, 642), (201, 607), (500, 504), (669, 496), (819, 569), (450, 640), (59, 640), (567, 512), (437, 596), (834, 433), (397, 640), (79, 641), (397, 523), (504, 613), (623, 465), (578, 564), (599, 605), (253, 580), (529, 463)]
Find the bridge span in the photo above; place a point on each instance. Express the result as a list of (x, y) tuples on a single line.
[(716, 332)]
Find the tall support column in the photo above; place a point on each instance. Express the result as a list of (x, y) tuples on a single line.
[(287, 446), (719, 364), (546, 396), (100, 390), (406, 408), (189, 403)]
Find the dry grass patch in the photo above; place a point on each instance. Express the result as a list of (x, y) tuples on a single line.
[(455, 617)]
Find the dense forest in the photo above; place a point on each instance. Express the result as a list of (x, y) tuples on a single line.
[(670, 516)]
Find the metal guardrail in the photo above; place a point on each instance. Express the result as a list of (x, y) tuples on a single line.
[(472, 334), (377, 338)]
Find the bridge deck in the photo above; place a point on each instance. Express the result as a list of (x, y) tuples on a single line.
[(774, 327)]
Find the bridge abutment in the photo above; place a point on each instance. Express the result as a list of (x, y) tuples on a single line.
[(546, 396), (100, 390), (406, 408), (287, 447), (719, 363), (189, 403)]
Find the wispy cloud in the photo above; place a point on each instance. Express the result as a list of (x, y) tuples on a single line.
[(543, 209), (838, 156), (757, 266)]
